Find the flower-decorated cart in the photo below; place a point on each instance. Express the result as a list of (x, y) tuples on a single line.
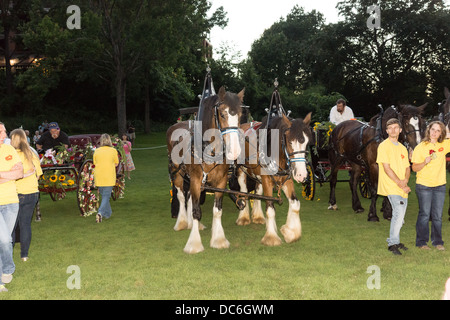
[(72, 169)]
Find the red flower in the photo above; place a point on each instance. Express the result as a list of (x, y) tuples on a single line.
[(432, 151)]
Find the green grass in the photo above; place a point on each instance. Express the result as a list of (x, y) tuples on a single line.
[(137, 254)]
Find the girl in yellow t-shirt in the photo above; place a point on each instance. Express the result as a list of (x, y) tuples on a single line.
[(429, 162), (27, 189), (105, 160)]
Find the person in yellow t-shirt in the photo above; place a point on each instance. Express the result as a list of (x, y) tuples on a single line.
[(10, 169), (429, 162), (394, 171), (27, 189), (105, 160)]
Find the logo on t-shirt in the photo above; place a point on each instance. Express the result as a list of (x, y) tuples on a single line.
[(8, 158)]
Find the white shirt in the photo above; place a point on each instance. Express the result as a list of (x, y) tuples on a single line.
[(336, 117)]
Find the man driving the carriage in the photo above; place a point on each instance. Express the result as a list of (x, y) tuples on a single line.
[(52, 138), (340, 112)]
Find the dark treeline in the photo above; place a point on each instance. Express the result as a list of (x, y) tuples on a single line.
[(142, 60)]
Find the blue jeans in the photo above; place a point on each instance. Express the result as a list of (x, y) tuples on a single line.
[(27, 203), (105, 208), (399, 205), (431, 204), (8, 217)]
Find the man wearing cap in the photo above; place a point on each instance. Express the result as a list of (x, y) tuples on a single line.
[(52, 138)]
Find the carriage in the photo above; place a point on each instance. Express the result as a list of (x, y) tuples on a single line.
[(72, 169), (319, 166)]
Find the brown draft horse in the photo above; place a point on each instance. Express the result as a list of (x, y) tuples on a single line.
[(357, 143), (191, 168), (293, 139)]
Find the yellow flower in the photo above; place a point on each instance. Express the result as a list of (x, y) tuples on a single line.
[(62, 177), (53, 178), (70, 182)]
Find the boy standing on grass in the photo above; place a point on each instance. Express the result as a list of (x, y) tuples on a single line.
[(393, 176)]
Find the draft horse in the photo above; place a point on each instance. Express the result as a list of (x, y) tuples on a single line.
[(264, 175), (357, 143), (205, 164)]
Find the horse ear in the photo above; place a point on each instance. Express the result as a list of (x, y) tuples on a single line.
[(446, 92), (222, 93), (307, 119), (241, 95), (422, 107)]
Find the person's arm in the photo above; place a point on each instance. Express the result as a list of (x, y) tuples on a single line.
[(333, 115), (15, 173), (391, 174), (419, 166)]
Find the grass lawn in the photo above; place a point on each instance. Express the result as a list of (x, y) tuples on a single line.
[(137, 255)]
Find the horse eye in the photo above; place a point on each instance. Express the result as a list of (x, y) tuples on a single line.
[(222, 116)]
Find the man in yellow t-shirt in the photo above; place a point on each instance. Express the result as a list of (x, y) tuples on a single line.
[(11, 168), (394, 171)]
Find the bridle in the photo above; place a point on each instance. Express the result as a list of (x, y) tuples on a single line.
[(291, 157), (225, 130)]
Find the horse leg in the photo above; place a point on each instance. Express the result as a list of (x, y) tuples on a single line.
[(182, 217), (257, 211), (194, 243), (335, 163), (355, 175), (271, 237), (244, 214), (218, 239), (292, 230), (373, 185)]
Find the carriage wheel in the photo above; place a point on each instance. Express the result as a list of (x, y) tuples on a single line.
[(87, 193), (309, 185), (364, 185), (119, 188)]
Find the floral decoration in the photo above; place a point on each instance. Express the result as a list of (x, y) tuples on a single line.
[(322, 129)]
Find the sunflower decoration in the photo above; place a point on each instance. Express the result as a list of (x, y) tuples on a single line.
[(322, 132)]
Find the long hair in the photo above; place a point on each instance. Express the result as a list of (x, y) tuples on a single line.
[(443, 131), (105, 140), (19, 141)]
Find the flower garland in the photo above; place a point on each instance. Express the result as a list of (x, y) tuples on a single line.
[(87, 193), (323, 129), (60, 156), (58, 181)]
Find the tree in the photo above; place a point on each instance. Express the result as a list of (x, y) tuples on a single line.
[(398, 61)]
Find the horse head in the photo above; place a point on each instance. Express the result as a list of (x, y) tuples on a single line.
[(223, 113), (413, 125), (296, 140)]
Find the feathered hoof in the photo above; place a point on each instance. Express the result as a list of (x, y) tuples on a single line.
[(193, 249), (258, 220), (220, 244), (333, 207), (180, 225), (359, 210), (373, 219), (243, 221), (271, 241), (290, 235)]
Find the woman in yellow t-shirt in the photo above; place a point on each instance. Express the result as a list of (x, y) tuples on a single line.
[(11, 169), (27, 189), (105, 161), (429, 162)]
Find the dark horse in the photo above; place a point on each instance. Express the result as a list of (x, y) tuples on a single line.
[(357, 143), (194, 167), (263, 175)]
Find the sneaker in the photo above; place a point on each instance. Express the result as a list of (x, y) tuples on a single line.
[(402, 246), (7, 278), (98, 218), (394, 250), (440, 247), (3, 288)]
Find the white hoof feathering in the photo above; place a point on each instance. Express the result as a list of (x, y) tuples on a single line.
[(194, 243), (218, 239), (271, 237), (292, 230)]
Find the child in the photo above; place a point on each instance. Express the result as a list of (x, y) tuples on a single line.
[(129, 164)]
